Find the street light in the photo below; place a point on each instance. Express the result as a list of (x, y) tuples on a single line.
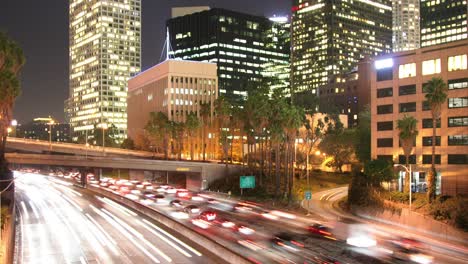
[(410, 180), (51, 122)]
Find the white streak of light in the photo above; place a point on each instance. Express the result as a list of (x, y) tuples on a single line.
[(126, 234), (108, 201), (173, 238), (102, 229), (139, 235), (34, 209), (82, 260), (165, 239), (72, 203), (102, 236), (26, 214)]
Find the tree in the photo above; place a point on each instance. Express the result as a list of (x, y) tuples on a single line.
[(11, 62), (363, 136), (109, 136), (436, 94), (223, 113), (378, 171), (408, 133), (292, 119), (338, 143), (160, 129), (178, 131), (128, 143), (205, 114), (192, 123)]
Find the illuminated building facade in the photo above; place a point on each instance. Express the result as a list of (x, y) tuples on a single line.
[(175, 88), (105, 49), (443, 21), (405, 25), (242, 46), (347, 94), (39, 129), (330, 37), (397, 82)]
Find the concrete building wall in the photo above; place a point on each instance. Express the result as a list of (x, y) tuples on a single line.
[(409, 68)]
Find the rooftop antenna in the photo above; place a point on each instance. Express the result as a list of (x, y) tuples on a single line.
[(167, 47)]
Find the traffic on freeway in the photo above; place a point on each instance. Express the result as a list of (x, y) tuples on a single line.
[(59, 224), (259, 234)]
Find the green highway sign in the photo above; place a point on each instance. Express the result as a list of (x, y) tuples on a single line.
[(247, 182), (308, 195)]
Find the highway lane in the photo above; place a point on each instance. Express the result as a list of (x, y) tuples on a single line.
[(443, 252), (61, 225)]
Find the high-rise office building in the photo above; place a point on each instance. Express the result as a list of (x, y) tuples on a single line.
[(243, 46), (405, 25), (105, 48), (443, 21), (330, 37)]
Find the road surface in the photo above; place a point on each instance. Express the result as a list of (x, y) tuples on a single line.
[(58, 224)]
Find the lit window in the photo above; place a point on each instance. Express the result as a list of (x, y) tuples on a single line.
[(431, 67), (407, 70), (458, 62)]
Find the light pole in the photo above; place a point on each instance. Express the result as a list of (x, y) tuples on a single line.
[(410, 180), (51, 122)]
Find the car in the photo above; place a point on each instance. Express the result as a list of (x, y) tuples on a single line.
[(183, 194), (192, 209), (410, 250), (245, 230), (159, 198), (148, 194), (321, 231), (176, 203), (200, 222), (170, 190), (179, 214), (208, 215), (223, 222)]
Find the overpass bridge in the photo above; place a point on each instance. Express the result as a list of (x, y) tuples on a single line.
[(198, 175), (41, 146)]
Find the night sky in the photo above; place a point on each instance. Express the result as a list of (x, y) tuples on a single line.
[(41, 29)]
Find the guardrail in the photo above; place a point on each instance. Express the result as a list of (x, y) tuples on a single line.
[(207, 243)]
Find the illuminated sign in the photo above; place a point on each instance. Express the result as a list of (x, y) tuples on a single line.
[(383, 64)]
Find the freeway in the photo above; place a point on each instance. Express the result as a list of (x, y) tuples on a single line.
[(322, 205), (60, 224)]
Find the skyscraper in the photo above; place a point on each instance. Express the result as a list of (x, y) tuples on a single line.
[(405, 25), (105, 48), (330, 37), (244, 47), (443, 21)]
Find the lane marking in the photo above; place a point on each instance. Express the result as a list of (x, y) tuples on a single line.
[(185, 253), (139, 235), (173, 238)]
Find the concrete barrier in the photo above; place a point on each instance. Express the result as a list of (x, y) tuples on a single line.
[(7, 244), (205, 242)]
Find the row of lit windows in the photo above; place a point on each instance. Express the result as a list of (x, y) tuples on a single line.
[(454, 140), (457, 102)]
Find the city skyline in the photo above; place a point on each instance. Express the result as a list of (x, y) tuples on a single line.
[(44, 38)]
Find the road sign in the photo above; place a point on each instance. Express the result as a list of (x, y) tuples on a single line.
[(247, 182), (308, 195)]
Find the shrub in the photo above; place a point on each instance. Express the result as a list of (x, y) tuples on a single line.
[(453, 210)]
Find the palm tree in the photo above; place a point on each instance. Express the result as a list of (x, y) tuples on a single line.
[(223, 112), (192, 124), (293, 119), (436, 94), (408, 133), (11, 62), (205, 114), (159, 127)]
